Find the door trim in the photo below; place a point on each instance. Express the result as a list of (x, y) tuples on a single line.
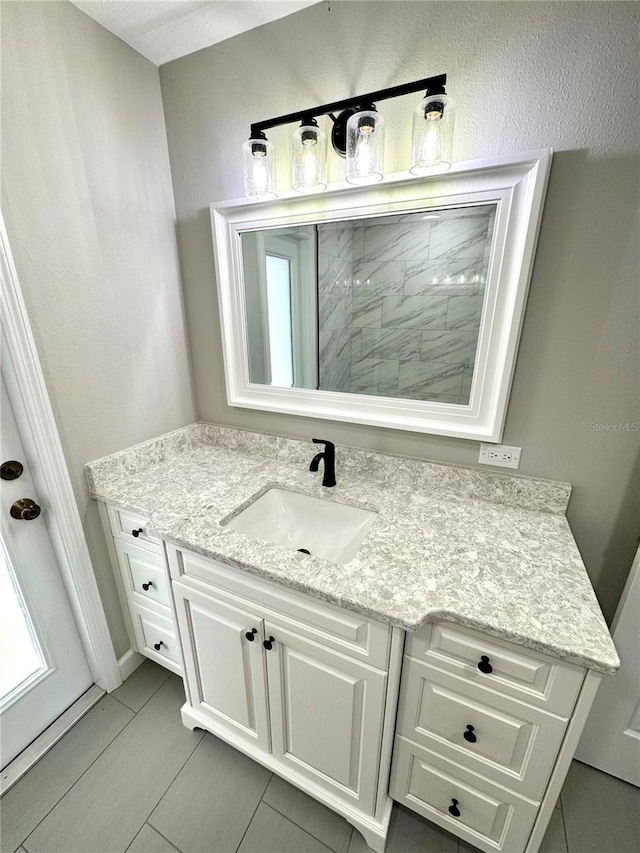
[(30, 399)]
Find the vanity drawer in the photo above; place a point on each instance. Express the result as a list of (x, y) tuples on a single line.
[(156, 637), (340, 629), (527, 675), (143, 575), (490, 817), (505, 740), (131, 527)]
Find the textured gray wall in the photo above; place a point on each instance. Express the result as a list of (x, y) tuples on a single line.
[(87, 200), (525, 75)]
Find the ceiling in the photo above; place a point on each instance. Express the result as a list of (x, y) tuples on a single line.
[(163, 30)]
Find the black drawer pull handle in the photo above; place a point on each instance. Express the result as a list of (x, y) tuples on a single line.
[(268, 644), (146, 586), (469, 735), (484, 665), (251, 635), (453, 808), (136, 533), (157, 646)]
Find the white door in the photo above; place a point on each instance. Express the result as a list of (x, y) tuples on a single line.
[(43, 667), (611, 739)]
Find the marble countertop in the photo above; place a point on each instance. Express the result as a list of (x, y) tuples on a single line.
[(484, 550)]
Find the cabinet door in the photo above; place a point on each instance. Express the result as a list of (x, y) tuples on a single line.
[(326, 715), (224, 669)]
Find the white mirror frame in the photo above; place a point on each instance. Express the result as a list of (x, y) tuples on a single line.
[(515, 183)]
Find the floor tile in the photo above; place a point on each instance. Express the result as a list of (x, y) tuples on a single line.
[(107, 807), (141, 685), (33, 797), (211, 802), (150, 841), (408, 833), (554, 840), (270, 832), (309, 814), (600, 812)]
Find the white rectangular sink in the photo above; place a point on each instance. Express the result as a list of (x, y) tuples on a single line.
[(325, 529)]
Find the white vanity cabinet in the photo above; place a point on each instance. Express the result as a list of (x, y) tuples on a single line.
[(143, 586), (485, 734), (305, 688)]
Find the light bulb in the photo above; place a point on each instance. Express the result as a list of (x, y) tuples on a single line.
[(365, 147), (309, 158), (258, 157), (432, 136)]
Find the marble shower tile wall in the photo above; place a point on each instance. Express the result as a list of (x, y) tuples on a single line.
[(335, 276), (417, 296)]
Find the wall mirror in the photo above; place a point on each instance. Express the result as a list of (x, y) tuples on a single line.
[(398, 305)]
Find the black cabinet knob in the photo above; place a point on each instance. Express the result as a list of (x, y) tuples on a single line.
[(251, 635), (469, 735), (136, 533), (146, 586), (268, 644), (484, 665), (157, 646), (453, 808)]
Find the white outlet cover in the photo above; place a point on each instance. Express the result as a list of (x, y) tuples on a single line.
[(500, 455)]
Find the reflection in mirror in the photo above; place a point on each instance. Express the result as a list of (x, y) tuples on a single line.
[(387, 306)]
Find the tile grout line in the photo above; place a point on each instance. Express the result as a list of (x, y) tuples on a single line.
[(57, 802), (86, 770), (148, 699), (254, 813), (304, 829), (146, 823), (564, 829), (182, 766)]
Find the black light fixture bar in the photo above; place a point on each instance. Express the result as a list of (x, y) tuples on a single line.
[(434, 85)]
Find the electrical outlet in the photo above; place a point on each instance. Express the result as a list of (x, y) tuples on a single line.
[(500, 455)]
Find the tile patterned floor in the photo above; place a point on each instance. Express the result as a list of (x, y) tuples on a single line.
[(129, 777)]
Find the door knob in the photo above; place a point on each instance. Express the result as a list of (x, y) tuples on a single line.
[(11, 470), (24, 509), (268, 644), (147, 586), (251, 635)]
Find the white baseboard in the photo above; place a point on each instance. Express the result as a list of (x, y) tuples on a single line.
[(128, 663)]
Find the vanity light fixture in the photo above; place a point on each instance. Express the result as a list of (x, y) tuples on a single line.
[(357, 134)]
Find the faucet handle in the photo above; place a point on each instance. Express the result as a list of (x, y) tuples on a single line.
[(324, 441)]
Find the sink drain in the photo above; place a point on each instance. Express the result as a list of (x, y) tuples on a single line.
[(304, 551)]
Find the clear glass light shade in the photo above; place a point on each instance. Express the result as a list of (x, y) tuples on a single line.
[(432, 137), (309, 159), (365, 147), (258, 158)]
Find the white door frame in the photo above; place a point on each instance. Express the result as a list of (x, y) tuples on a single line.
[(34, 414)]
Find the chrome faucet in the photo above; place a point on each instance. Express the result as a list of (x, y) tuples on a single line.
[(329, 457)]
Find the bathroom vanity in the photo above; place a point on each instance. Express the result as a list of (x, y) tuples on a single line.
[(449, 664)]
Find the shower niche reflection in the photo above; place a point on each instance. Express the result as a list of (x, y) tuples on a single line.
[(387, 306)]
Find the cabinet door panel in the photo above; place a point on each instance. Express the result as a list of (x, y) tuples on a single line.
[(326, 715), (225, 670)]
